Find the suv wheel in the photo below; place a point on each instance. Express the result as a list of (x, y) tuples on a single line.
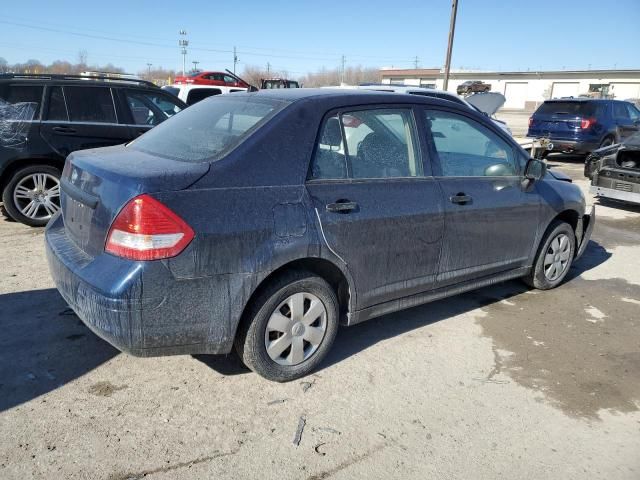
[(290, 328), (554, 257), (32, 195)]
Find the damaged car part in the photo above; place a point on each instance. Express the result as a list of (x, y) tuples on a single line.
[(264, 220)]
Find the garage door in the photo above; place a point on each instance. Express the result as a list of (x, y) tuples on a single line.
[(516, 94), (565, 89), (623, 91)]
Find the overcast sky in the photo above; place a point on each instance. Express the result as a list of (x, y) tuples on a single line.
[(300, 36)]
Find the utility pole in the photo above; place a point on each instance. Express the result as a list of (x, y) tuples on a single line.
[(452, 29), (415, 62), (183, 43), (195, 65), (149, 69), (235, 59), (268, 68), (344, 61)]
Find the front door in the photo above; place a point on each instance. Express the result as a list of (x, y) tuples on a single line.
[(490, 220), (81, 117), (376, 208)]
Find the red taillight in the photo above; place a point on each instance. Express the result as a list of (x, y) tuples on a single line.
[(587, 122), (530, 121), (145, 229)]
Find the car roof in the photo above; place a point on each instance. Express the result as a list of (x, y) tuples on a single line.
[(48, 79), (579, 99), (297, 94)]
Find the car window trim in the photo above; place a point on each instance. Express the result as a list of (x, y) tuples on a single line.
[(339, 111), (434, 152)]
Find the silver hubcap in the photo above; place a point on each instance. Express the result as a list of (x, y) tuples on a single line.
[(296, 329), (557, 258), (37, 196)]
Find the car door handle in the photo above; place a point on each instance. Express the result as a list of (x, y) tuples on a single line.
[(64, 130), (342, 206), (460, 199)]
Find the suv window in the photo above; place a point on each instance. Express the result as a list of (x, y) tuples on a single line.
[(197, 94), (57, 107), (583, 109), (90, 104), (30, 98), (150, 108), (620, 111), (468, 149), (380, 143), (634, 113)]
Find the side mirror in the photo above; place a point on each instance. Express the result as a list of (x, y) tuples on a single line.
[(535, 169)]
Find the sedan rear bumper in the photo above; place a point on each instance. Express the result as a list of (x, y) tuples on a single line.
[(138, 307)]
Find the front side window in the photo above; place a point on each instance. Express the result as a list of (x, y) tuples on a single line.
[(150, 108), (90, 104), (466, 148), (634, 114), (378, 143)]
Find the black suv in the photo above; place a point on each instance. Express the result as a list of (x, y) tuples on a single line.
[(43, 118)]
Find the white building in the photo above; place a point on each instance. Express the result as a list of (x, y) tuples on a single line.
[(526, 90)]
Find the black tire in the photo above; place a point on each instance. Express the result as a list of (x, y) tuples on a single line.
[(9, 204), (250, 341), (537, 278)]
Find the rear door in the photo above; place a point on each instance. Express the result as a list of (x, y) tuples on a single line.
[(378, 208), (81, 117), (561, 119), (490, 221)]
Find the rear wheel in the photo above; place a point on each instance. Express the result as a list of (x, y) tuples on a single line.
[(554, 257), (32, 195), (290, 327)]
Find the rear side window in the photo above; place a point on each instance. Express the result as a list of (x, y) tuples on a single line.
[(581, 109), (378, 143), (620, 111), (90, 104), (25, 101), (57, 107), (209, 130), (195, 95)]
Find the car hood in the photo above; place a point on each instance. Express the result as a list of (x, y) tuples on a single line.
[(487, 102)]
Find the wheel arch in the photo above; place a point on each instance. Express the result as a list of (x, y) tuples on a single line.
[(336, 277), (19, 164)]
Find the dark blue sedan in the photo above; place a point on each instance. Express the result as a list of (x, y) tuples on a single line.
[(267, 219)]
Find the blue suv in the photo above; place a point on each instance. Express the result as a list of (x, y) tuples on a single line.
[(582, 125)]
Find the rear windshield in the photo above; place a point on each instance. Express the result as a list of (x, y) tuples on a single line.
[(582, 109), (209, 129)]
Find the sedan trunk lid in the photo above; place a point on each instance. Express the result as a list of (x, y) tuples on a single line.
[(97, 183)]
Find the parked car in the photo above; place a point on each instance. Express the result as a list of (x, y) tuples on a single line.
[(220, 79), (486, 103), (43, 118), (614, 171), (191, 94), (263, 220), (473, 86), (269, 83), (582, 125)]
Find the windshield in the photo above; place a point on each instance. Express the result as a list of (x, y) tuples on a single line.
[(582, 109), (208, 130)]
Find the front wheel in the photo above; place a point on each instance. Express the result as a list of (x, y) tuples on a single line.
[(32, 195), (554, 257), (290, 327)]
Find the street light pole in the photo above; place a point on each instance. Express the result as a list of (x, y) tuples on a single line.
[(183, 43), (452, 29)]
